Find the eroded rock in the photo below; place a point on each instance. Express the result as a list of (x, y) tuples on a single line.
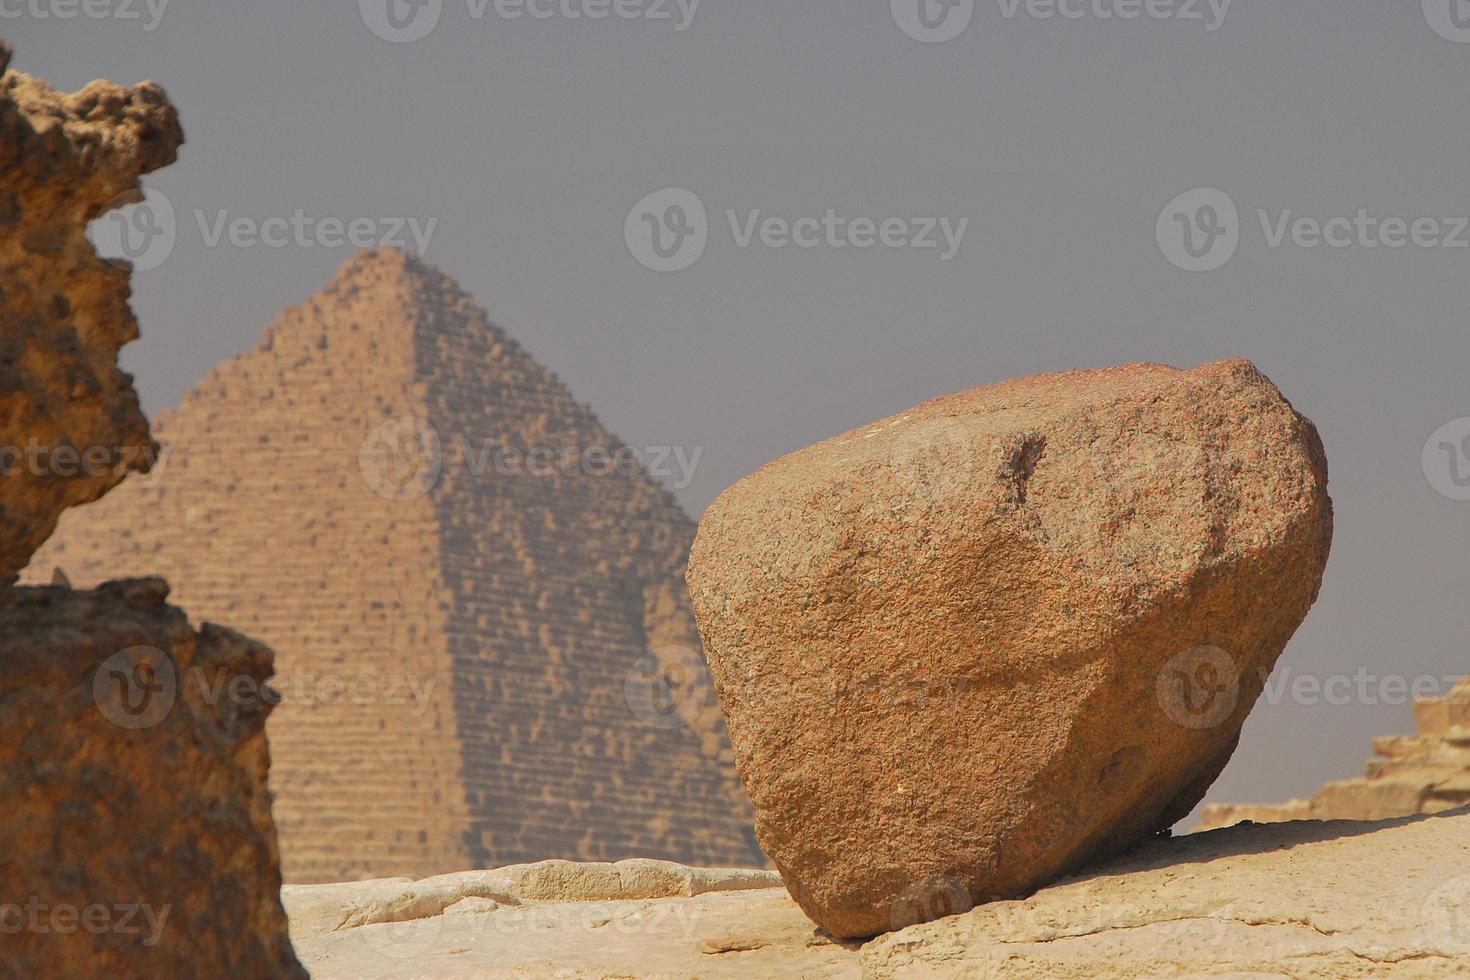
[(1007, 633), (70, 425), (1304, 899), (137, 838), (329, 908)]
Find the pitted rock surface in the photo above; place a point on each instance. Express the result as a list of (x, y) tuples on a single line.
[(70, 425), (133, 765), (1311, 900), (1007, 633)]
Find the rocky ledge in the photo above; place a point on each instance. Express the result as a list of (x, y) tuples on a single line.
[(70, 425), (1305, 899)]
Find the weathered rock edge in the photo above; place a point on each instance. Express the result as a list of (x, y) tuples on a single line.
[(70, 424), (315, 909), (1309, 900), (167, 808)]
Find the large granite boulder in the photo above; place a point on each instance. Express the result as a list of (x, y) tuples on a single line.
[(1009, 632), (70, 425), (137, 838)]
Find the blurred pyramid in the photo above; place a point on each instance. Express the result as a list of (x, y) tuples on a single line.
[(484, 645)]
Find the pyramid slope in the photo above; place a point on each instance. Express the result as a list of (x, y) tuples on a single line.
[(457, 635)]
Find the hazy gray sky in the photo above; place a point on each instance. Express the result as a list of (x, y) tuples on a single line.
[(1061, 139)]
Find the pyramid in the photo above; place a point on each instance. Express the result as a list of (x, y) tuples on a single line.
[(484, 646)]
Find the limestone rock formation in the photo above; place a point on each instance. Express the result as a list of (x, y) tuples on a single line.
[(327, 908), (485, 648), (1424, 773), (137, 837), (1304, 900), (1007, 633), (70, 426)]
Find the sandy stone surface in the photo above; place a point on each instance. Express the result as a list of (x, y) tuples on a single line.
[(1006, 633), (1308, 899), (137, 838), (1287, 900), (70, 425)]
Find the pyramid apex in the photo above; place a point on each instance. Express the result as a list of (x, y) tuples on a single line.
[(380, 284), (376, 262)]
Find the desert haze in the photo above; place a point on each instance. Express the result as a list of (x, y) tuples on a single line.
[(1069, 523)]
